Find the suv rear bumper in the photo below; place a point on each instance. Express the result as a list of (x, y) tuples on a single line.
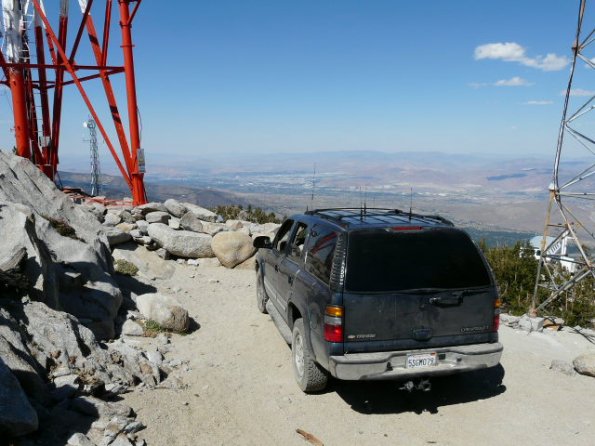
[(393, 365)]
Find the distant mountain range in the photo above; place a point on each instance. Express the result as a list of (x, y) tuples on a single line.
[(482, 191)]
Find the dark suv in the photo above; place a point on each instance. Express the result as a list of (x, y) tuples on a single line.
[(378, 294)]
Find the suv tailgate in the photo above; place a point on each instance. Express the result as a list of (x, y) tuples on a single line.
[(416, 289)]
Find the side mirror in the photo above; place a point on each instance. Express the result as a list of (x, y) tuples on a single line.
[(262, 242)]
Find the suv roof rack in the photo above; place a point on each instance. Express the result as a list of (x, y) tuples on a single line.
[(381, 215)]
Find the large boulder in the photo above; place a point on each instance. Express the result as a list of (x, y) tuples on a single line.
[(17, 416), (149, 265), (200, 212), (232, 248), (191, 222), (184, 244), (164, 310), (585, 364), (174, 207)]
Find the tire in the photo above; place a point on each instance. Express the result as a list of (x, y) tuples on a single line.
[(261, 294), (308, 374)]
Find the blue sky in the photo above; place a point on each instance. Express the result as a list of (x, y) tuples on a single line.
[(287, 76)]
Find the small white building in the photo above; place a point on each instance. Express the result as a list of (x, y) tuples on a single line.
[(558, 252)]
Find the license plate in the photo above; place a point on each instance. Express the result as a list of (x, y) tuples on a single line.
[(418, 361)]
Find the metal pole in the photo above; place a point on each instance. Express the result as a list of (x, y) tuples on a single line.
[(21, 128), (138, 188)]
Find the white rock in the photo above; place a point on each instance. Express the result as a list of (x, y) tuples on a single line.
[(148, 264), (155, 357), (174, 223), (191, 222), (232, 248), (131, 328), (234, 225), (529, 324), (174, 207), (142, 226), (151, 207), (200, 212), (164, 310), (116, 236), (585, 364), (214, 228), (111, 219), (79, 439), (126, 227), (157, 217), (183, 244)]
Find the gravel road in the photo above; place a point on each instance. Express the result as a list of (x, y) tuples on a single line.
[(240, 389)]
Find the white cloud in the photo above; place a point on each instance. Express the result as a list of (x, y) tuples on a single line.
[(513, 82), (579, 92), (541, 102), (513, 52)]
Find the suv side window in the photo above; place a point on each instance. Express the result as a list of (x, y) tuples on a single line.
[(282, 236), (320, 250), (298, 242)]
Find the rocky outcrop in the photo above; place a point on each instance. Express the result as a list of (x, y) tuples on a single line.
[(186, 244), (52, 368), (232, 248), (62, 269)]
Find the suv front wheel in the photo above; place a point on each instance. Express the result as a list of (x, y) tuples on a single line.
[(308, 374)]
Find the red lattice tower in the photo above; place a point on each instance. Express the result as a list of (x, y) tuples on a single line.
[(37, 88)]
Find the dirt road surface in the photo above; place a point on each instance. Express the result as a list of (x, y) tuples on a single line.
[(241, 391)]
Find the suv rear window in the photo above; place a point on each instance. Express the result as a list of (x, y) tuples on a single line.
[(390, 260)]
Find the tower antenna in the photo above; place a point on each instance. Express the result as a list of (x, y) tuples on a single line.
[(557, 273), (94, 153), (410, 203)]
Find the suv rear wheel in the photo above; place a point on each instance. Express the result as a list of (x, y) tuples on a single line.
[(309, 375)]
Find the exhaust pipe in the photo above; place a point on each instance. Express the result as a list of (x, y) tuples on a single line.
[(423, 384), (408, 386)]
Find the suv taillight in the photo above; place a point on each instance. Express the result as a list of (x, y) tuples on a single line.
[(333, 323), (496, 321)]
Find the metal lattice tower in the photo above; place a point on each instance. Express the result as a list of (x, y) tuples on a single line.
[(43, 50), (570, 217), (94, 152)]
